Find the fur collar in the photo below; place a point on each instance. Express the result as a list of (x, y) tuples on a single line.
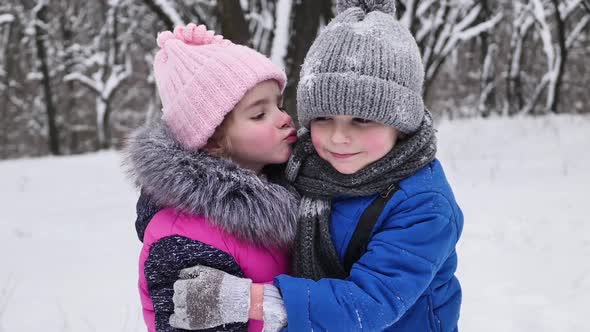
[(252, 209)]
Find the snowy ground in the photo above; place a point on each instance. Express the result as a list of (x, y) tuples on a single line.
[(68, 249)]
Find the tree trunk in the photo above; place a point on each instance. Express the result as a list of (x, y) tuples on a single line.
[(487, 60), (305, 22), (8, 65), (555, 91), (46, 81), (514, 91), (432, 61), (107, 99), (101, 107), (106, 126), (69, 104), (233, 23)]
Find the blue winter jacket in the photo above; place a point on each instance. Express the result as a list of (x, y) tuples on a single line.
[(405, 281)]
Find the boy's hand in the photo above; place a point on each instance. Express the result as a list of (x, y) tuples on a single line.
[(205, 297), (275, 315)]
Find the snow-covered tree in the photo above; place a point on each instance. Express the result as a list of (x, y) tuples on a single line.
[(488, 59), (521, 27), (527, 55), (556, 52), (166, 12), (104, 72), (261, 18), (441, 26), (307, 16), (6, 59)]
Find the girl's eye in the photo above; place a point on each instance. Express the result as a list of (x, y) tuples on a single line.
[(361, 120), (259, 116), (282, 108)]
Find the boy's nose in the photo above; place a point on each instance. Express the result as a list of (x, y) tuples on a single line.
[(339, 136)]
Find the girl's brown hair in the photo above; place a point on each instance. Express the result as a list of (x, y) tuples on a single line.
[(219, 143)]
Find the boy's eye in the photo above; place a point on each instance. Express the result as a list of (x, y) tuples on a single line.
[(361, 120), (321, 119)]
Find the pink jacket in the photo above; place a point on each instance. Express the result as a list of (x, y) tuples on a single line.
[(230, 217), (259, 264)]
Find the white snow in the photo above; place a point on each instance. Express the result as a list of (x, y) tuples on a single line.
[(523, 186), (69, 249), (6, 18)]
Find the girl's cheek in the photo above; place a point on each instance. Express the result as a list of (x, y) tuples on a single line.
[(262, 135)]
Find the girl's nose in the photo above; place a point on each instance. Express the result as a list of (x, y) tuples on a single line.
[(285, 120)]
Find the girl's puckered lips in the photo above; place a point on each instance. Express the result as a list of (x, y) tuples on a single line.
[(292, 137)]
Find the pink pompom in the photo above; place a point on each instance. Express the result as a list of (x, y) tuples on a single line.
[(197, 35), (179, 32), (163, 37)]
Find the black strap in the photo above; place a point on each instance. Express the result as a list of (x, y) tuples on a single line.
[(360, 238)]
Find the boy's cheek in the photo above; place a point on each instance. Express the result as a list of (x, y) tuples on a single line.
[(316, 139)]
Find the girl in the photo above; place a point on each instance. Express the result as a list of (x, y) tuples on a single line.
[(207, 164), (378, 223)]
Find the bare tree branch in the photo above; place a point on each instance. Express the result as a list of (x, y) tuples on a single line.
[(165, 12)]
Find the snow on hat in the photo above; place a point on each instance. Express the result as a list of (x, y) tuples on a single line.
[(365, 64)]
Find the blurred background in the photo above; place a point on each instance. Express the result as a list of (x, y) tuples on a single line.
[(76, 76), (507, 82)]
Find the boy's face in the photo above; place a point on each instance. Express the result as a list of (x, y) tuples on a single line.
[(349, 144)]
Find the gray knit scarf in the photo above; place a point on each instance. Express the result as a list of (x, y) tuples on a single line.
[(318, 182)]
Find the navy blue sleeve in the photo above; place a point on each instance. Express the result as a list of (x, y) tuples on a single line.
[(166, 258), (145, 208), (402, 258)]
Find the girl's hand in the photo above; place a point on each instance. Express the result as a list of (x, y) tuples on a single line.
[(205, 297)]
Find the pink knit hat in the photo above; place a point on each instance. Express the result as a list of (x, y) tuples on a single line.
[(201, 77)]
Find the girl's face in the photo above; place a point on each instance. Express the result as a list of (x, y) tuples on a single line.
[(350, 144), (260, 132)]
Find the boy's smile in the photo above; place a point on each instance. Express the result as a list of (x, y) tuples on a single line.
[(350, 144), (343, 155)]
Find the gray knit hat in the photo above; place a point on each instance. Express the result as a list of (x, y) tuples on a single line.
[(363, 64)]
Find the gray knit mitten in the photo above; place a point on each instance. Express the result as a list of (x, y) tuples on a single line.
[(273, 307), (205, 297)]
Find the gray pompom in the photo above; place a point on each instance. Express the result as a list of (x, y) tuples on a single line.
[(386, 6)]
